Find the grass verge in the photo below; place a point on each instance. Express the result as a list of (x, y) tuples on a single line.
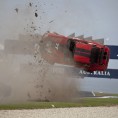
[(85, 102)]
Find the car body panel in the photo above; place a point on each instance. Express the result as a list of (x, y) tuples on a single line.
[(88, 55)]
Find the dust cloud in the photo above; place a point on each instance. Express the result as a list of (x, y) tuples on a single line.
[(24, 74), (31, 78)]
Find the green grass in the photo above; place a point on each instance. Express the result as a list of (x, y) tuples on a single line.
[(100, 101), (86, 102), (98, 94)]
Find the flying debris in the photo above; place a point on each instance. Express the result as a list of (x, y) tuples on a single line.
[(51, 21), (32, 27), (30, 4), (36, 15), (16, 10)]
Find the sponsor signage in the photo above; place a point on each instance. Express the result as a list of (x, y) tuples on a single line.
[(113, 51), (109, 73), (76, 72)]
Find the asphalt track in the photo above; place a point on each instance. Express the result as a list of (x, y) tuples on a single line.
[(82, 112)]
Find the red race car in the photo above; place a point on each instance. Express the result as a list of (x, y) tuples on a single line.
[(88, 55)]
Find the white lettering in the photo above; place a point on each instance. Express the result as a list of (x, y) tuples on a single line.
[(108, 73), (103, 73), (84, 72), (57, 46), (99, 73), (80, 72), (95, 72)]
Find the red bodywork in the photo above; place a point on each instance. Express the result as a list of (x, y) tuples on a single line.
[(88, 55)]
